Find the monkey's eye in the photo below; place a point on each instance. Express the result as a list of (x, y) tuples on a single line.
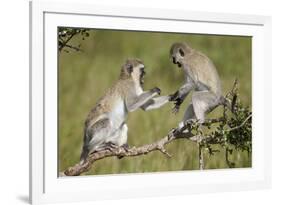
[(181, 52)]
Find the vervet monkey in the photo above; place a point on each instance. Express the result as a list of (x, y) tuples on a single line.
[(202, 77), (105, 126)]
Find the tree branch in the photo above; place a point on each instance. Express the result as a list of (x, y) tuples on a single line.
[(185, 132), (241, 125), (66, 41), (119, 152), (143, 150)]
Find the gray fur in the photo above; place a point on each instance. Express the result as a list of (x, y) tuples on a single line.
[(200, 76), (106, 123)]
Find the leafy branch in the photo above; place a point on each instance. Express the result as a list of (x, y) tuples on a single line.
[(66, 34)]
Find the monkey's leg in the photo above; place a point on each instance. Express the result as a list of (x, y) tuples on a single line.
[(189, 114), (123, 136), (118, 137), (94, 136), (107, 136), (203, 102), (123, 139)]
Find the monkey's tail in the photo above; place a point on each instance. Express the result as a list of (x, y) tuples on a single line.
[(84, 155)]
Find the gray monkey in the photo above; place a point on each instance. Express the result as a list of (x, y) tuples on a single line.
[(202, 77), (105, 126)]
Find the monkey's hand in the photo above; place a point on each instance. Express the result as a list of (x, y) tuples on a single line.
[(156, 90), (174, 96), (176, 108), (178, 101)]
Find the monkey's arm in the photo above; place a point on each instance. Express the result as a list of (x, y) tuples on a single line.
[(155, 103), (183, 91), (140, 100), (180, 95)]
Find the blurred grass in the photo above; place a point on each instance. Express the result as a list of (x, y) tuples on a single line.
[(84, 77)]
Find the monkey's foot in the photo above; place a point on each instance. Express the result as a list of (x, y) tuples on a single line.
[(110, 146), (125, 147), (173, 133), (185, 131)]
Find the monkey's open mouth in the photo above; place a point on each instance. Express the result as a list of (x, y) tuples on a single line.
[(142, 78), (141, 81), (177, 63)]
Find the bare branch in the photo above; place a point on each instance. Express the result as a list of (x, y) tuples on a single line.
[(241, 125), (66, 41), (73, 47), (121, 152)]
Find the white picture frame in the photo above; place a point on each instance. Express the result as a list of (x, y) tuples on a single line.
[(46, 186)]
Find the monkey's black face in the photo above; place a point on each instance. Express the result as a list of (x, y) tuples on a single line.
[(177, 53), (175, 61)]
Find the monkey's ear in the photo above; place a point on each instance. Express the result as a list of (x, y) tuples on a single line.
[(181, 52), (129, 67)]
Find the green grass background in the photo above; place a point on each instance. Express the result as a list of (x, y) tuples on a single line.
[(84, 77)]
